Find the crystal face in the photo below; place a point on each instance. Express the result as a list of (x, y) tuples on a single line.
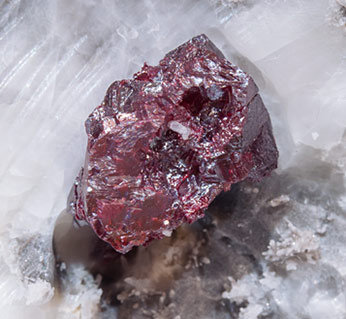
[(164, 144)]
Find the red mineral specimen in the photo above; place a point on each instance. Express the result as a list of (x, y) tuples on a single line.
[(164, 144)]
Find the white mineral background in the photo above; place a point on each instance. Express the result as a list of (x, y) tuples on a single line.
[(57, 59)]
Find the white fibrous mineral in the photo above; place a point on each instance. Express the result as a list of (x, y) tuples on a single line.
[(80, 294), (282, 199), (293, 246)]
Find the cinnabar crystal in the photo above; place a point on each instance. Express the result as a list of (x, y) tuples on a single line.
[(164, 144)]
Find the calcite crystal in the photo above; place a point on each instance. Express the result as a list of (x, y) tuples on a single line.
[(164, 144)]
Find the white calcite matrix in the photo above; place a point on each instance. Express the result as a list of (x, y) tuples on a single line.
[(56, 60)]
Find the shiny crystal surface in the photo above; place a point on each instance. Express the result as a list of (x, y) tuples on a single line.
[(164, 144)]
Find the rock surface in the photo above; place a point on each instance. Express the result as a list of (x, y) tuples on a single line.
[(164, 144)]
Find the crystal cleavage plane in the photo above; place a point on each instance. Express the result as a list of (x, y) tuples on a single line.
[(164, 144)]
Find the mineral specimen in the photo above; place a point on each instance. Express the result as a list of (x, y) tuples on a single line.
[(164, 144)]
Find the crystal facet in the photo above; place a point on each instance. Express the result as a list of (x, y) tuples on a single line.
[(164, 144)]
